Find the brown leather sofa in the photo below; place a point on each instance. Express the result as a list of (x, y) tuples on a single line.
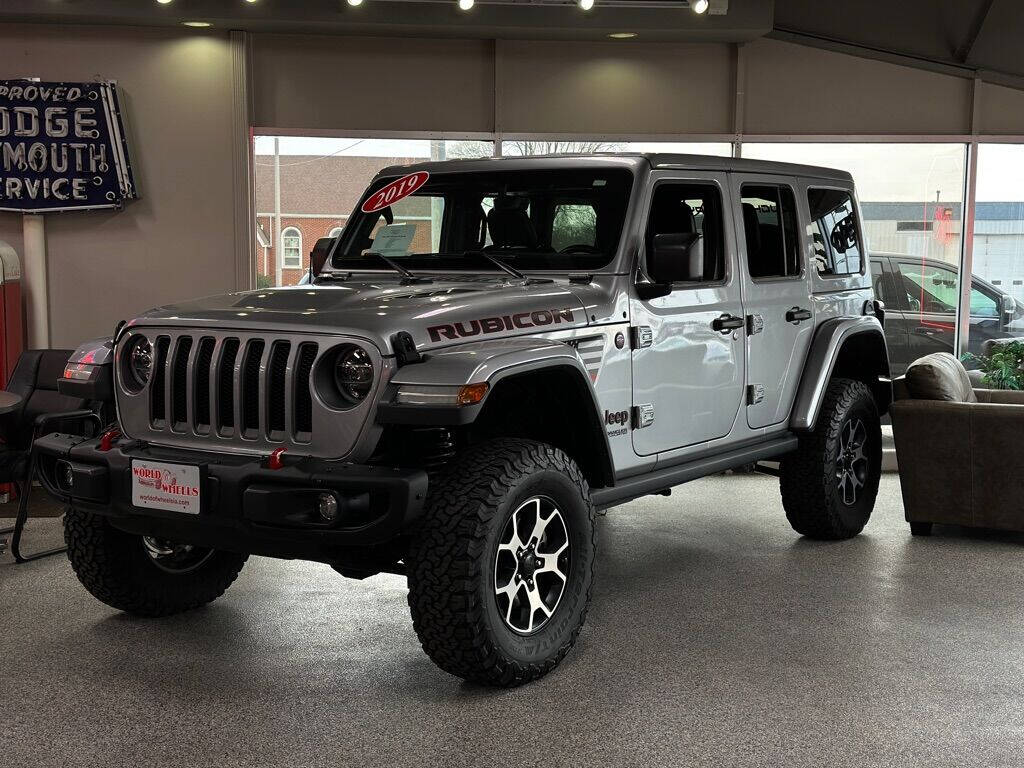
[(960, 450)]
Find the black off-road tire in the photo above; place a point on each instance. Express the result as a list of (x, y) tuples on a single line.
[(452, 562), (809, 476), (115, 568)]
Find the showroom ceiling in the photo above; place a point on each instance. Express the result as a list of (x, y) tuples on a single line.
[(976, 34)]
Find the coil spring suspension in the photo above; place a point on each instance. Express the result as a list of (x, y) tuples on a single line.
[(431, 447)]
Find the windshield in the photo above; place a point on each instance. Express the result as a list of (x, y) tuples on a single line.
[(560, 220)]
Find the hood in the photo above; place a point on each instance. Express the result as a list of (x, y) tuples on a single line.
[(447, 311)]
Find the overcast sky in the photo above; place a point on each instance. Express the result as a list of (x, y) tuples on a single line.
[(883, 172)]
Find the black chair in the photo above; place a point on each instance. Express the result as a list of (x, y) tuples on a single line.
[(41, 410)]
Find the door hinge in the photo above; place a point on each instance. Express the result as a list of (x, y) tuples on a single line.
[(641, 336), (755, 324), (755, 393), (643, 415)]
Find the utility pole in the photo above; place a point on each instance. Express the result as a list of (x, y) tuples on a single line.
[(278, 249)]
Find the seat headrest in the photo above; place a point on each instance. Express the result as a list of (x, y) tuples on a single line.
[(752, 227), (510, 225), (672, 216), (939, 376)]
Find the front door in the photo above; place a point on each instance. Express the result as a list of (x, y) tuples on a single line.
[(687, 353), (776, 294)]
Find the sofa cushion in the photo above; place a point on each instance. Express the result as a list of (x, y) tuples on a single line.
[(940, 376)]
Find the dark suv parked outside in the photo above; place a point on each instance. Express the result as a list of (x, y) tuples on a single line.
[(920, 298)]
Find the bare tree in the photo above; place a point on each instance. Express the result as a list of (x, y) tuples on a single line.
[(524, 148)]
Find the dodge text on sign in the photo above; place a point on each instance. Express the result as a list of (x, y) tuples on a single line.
[(62, 147)]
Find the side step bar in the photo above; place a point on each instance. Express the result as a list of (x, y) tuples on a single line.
[(662, 479)]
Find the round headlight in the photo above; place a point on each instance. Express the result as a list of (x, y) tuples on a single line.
[(353, 373), (138, 362)]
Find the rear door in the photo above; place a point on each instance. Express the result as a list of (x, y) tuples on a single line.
[(776, 292), (884, 283)]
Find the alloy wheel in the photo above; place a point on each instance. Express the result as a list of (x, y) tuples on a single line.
[(531, 566), (852, 462), (173, 557)]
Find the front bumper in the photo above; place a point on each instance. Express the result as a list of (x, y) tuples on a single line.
[(244, 505)]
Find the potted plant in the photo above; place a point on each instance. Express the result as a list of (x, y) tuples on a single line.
[(1003, 366)]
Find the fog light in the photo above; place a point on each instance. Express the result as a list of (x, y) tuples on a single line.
[(327, 504), (67, 476)]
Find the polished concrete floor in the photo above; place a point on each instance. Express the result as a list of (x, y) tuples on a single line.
[(716, 638)]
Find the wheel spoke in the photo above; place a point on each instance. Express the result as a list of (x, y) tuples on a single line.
[(551, 566), (536, 604), (541, 525), (510, 589), (849, 493)]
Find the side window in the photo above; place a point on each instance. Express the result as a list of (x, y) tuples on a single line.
[(929, 288), (574, 224), (982, 304), (833, 231), (769, 227), (686, 223)]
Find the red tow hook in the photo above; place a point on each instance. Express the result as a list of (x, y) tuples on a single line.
[(108, 438), (274, 460)]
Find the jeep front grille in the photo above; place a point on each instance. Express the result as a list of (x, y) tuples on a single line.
[(252, 384), (251, 390)]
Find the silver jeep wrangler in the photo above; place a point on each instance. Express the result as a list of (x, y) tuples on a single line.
[(489, 352)]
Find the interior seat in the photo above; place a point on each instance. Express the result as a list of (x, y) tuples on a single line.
[(510, 225), (672, 216)]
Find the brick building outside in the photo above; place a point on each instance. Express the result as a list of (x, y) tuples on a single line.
[(317, 196)]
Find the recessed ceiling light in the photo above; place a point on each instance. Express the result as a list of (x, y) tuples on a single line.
[(622, 35), (466, 4), (586, 5), (163, 2), (700, 6), (197, 24), (355, 2)]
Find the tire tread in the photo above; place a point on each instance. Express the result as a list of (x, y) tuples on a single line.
[(446, 560)]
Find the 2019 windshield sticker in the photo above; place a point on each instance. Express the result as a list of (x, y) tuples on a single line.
[(500, 324), (391, 193)]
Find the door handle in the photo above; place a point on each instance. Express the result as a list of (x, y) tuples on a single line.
[(797, 315), (727, 323), (924, 331)]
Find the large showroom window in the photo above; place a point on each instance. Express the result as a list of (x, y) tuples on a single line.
[(306, 188), (997, 292), (911, 197)]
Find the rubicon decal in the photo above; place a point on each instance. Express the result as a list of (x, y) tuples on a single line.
[(500, 324)]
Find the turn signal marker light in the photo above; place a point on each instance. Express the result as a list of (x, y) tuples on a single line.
[(471, 394)]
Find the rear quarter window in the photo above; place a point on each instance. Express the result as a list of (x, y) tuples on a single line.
[(834, 232)]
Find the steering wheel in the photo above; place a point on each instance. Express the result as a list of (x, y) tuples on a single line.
[(580, 248)]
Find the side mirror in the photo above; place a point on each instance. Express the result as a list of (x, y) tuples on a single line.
[(318, 256), (1009, 305), (676, 258)]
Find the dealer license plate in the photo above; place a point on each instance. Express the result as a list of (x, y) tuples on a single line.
[(158, 485)]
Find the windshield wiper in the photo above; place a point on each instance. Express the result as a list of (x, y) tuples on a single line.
[(499, 264), (407, 276)]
